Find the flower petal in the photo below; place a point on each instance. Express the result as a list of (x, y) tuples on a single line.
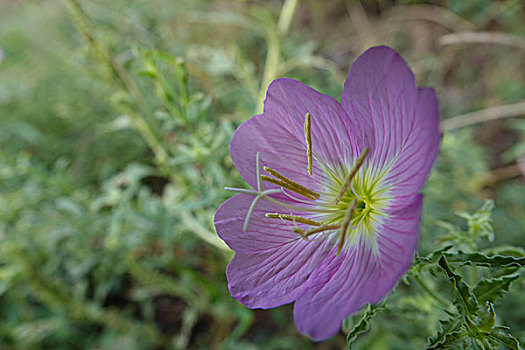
[(362, 274), (401, 121), (414, 163), (262, 233), (275, 276), (272, 263), (278, 134)]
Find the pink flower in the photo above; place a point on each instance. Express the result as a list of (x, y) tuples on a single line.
[(333, 218)]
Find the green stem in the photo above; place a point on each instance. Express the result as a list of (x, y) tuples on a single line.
[(286, 17), (273, 40), (140, 121), (182, 72), (270, 67), (430, 292)]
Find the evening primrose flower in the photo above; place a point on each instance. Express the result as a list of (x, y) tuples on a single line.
[(333, 217)]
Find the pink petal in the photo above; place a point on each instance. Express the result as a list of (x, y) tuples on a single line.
[(401, 121), (276, 276), (272, 263), (415, 161), (278, 134), (342, 284)]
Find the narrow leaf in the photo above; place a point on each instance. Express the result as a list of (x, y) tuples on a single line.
[(448, 327), (474, 258), (501, 335), (363, 325), (480, 259), (449, 339), (506, 250), (434, 256), (464, 299), (487, 319), (493, 289)]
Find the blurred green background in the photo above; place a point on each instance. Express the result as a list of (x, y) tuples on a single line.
[(115, 119)]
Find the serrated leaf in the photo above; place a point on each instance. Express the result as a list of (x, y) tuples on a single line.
[(363, 325), (495, 288), (451, 338), (464, 299), (506, 250), (472, 328), (438, 253), (480, 223), (488, 319), (480, 259), (501, 335), (473, 259), (432, 257), (448, 327)]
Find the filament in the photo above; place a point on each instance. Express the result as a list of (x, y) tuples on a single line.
[(350, 177)]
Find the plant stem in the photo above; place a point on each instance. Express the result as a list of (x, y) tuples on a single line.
[(139, 120), (273, 41), (270, 67), (287, 13)]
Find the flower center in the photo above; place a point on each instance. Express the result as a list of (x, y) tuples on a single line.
[(346, 207)]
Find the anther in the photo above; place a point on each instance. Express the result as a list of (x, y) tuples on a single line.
[(345, 224), (300, 232), (321, 229), (295, 227), (308, 138), (291, 185), (293, 218), (287, 186), (350, 177)]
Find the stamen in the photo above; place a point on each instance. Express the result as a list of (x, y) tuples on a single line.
[(308, 209), (287, 186), (293, 218), (258, 172), (294, 198), (345, 224), (308, 137), (298, 230), (350, 177), (290, 182), (321, 229)]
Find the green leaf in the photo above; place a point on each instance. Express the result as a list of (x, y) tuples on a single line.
[(363, 325), (473, 259), (435, 255), (480, 223), (464, 299), (506, 250), (495, 288), (451, 338), (501, 335), (448, 331), (488, 319), (480, 259)]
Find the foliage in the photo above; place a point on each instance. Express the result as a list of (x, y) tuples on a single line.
[(115, 123)]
